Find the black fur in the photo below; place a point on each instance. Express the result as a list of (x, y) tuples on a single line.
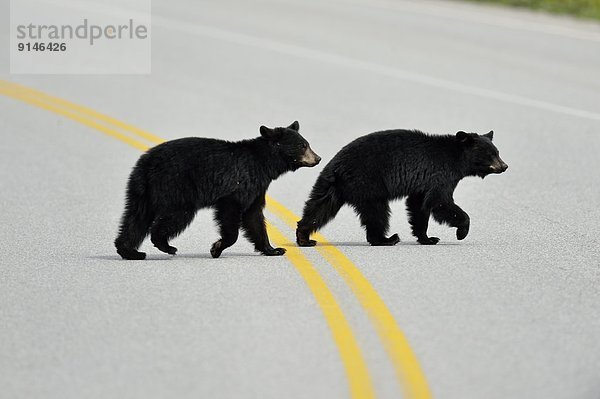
[(380, 167), (173, 180)]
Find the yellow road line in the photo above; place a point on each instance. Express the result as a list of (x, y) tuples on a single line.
[(406, 365), (357, 373), (27, 92), (9, 92)]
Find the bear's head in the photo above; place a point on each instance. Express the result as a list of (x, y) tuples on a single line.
[(291, 146), (480, 155)]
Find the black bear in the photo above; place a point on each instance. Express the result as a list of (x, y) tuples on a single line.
[(173, 180), (392, 164)]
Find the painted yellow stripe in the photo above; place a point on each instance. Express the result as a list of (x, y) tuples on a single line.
[(28, 92), (406, 365), (357, 373), (18, 95)]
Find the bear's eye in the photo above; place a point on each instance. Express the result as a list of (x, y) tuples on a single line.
[(305, 146)]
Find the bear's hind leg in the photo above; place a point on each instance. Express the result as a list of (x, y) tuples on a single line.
[(129, 240), (135, 226), (322, 206), (418, 218), (168, 226), (374, 216), (228, 217)]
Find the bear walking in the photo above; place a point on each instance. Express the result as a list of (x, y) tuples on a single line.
[(392, 164), (173, 180)]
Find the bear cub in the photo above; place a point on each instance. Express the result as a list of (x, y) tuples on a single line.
[(383, 166), (173, 180)]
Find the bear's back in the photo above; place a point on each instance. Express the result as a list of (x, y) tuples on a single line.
[(391, 162)]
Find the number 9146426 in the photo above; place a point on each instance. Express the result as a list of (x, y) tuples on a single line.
[(37, 46)]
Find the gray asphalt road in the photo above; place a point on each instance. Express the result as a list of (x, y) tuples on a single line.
[(511, 312)]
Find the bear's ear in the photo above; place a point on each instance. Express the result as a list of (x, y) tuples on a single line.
[(463, 137), (294, 126), (270, 134), (489, 135)]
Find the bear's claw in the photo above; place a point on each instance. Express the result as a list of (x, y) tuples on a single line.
[(274, 252), (166, 249), (303, 238), (428, 240), (390, 241), (306, 243), (462, 232), (130, 254), (215, 250)]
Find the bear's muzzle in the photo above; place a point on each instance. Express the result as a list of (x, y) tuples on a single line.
[(309, 158), (499, 166)]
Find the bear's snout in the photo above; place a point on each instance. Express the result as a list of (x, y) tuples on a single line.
[(499, 166), (309, 158)]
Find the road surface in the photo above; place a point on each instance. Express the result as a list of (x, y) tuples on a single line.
[(510, 312)]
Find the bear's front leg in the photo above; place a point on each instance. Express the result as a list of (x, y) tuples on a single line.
[(452, 215), (253, 223), (463, 228), (227, 216)]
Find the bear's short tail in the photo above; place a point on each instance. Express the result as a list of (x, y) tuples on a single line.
[(322, 206), (136, 220)]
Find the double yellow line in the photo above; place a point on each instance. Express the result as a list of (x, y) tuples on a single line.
[(408, 371)]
